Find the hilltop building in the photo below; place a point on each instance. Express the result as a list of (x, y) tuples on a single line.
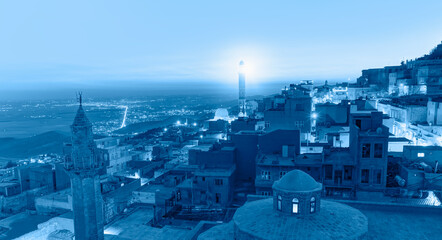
[(419, 76)]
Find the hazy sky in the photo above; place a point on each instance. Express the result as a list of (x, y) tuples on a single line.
[(66, 42)]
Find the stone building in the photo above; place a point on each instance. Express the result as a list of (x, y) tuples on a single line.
[(369, 148), (115, 156), (290, 111), (329, 114), (295, 211), (420, 76), (214, 177), (434, 111)]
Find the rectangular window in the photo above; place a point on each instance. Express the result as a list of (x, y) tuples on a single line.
[(265, 193), (366, 150), (348, 172), (358, 123), (420, 155), (312, 205), (218, 181), (295, 205), (265, 175), (365, 175), (328, 172), (378, 176), (279, 202), (378, 148), (281, 174)]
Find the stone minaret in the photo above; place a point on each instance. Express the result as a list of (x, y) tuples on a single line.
[(83, 167), (242, 90)]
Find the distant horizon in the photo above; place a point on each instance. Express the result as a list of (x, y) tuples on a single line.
[(125, 89), (52, 43)]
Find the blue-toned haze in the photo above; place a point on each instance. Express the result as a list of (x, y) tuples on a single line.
[(99, 44)]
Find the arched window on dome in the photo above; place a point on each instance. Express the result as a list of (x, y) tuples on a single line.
[(295, 205), (279, 202), (312, 205)]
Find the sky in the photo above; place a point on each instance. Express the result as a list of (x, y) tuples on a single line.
[(50, 44)]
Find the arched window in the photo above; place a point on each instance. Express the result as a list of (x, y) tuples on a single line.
[(295, 205), (279, 202), (312, 205)]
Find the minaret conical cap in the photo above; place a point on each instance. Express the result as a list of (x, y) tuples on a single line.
[(80, 118)]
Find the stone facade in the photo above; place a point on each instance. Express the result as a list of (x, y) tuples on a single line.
[(83, 167)]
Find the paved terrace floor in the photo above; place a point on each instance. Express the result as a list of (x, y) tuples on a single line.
[(401, 222), (135, 226), (385, 222), (19, 224)]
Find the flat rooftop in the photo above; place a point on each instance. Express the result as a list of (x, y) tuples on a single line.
[(390, 222), (216, 172), (7, 184), (61, 196), (154, 187), (136, 226), (20, 224)]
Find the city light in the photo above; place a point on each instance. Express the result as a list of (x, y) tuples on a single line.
[(178, 122), (165, 129), (194, 124), (314, 115), (432, 199), (112, 231)]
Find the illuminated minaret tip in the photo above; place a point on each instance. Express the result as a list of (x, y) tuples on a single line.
[(242, 89)]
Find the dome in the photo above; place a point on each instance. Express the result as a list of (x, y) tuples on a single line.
[(297, 181), (221, 113), (257, 220)]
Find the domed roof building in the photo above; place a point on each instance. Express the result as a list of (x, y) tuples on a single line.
[(221, 113), (296, 211), (297, 193)]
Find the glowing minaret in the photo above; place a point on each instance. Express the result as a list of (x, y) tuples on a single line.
[(242, 89), (83, 168)]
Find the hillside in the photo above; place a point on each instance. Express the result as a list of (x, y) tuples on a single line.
[(146, 126), (49, 142)]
